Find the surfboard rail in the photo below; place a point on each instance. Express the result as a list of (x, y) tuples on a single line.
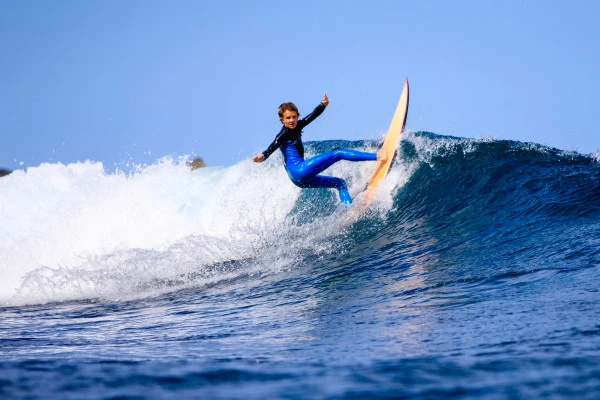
[(390, 143)]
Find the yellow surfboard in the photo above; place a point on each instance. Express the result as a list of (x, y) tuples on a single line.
[(390, 143)]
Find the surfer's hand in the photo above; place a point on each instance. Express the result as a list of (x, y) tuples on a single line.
[(325, 100), (260, 157)]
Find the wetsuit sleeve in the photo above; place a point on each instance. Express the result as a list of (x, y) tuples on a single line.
[(275, 145), (313, 115)]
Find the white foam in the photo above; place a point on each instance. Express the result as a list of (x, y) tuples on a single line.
[(75, 231)]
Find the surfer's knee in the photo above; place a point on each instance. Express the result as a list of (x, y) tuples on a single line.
[(338, 154)]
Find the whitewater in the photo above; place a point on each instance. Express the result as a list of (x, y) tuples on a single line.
[(77, 232), (474, 275)]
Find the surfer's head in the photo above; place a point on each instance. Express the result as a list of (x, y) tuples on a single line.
[(288, 115)]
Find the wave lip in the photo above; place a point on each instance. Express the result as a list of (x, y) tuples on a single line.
[(77, 232)]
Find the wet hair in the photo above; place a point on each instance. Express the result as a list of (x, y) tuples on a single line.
[(287, 107)]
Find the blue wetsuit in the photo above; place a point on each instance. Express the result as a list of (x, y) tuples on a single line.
[(304, 173)]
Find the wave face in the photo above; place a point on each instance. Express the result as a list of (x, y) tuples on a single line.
[(474, 251), (76, 232)]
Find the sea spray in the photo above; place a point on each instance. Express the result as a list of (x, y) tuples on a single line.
[(76, 231)]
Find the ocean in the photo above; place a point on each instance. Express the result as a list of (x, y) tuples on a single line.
[(474, 275)]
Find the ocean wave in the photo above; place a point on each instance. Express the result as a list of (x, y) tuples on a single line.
[(77, 232)]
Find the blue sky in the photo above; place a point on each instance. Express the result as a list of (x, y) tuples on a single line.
[(132, 81)]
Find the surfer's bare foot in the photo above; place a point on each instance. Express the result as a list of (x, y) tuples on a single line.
[(382, 155)]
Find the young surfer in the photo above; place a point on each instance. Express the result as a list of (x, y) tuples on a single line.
[(305, 173)]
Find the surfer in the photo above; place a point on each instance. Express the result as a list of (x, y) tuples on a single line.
[(305, 173)]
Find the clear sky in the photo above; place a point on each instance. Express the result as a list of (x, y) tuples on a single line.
[(132, 81)]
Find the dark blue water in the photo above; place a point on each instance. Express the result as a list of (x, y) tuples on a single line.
[(478, 281)]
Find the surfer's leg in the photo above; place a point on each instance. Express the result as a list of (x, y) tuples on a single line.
[(321, 162), (323, 181)]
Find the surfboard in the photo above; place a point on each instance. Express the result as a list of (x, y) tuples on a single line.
[(390, 143)]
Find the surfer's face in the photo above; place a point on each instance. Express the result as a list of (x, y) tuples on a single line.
[(289, 119)]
